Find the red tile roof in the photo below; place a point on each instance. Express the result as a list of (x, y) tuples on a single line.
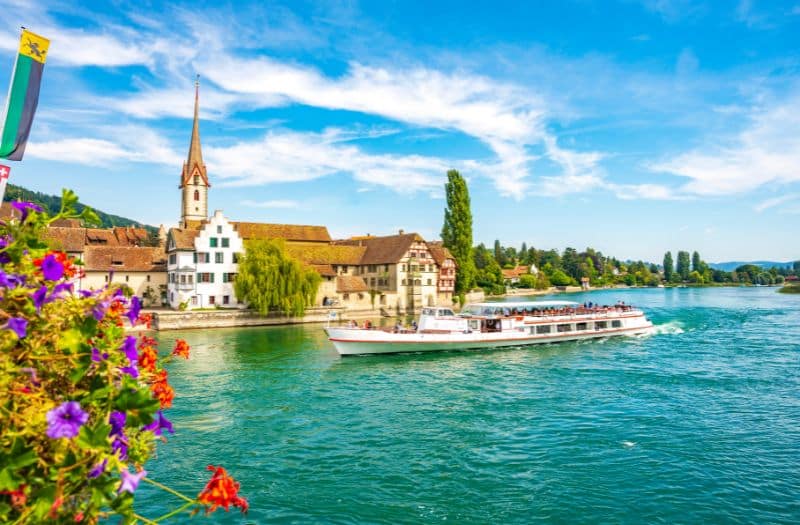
[(439, 253), (125, 259), (288, 232), (383, 250), (350, 284), (183, 238), (66, 239)]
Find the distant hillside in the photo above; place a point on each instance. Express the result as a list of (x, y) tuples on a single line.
[(52, 204), (732, 265)]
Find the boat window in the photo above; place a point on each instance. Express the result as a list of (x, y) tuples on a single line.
[(445, 312), (544, 329), (564, 328), (428, 311), (533, 330), (600, 325), (581, 326), (616, 324), (493, 325)]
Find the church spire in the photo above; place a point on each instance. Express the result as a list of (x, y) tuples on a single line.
[(194, 177)]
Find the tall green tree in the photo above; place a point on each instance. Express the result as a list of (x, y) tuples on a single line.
[(457, 230), (697, 263), (669, 267), (683, 267), (270, 280)]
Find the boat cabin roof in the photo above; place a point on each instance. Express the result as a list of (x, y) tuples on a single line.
[(539, 305)]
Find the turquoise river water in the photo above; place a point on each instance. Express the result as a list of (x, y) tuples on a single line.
[(699, 423)]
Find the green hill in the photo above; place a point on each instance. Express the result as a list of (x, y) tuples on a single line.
[(52, 204)]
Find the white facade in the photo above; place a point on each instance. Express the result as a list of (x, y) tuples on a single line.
[(203, 277)]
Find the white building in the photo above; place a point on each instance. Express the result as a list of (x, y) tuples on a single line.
[(202, 265)]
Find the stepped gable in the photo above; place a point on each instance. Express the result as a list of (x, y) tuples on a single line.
[(287, 232), (350, 284), (125, 259), (183, 238), (383, 250), (66, 239), (327, 254)]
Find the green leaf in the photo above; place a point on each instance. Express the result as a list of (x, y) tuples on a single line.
[(89, 216), (23, 460), (71, 340), (68, 201), (94, 437), (7, 480), (136, 400)]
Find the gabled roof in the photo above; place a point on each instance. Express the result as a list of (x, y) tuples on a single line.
[(101, 236), (288, 232), (350, 284), (440, 253), (327, 254), (66, 239), (325, 270), (515, 272), (384, 250), (183, 238), (125, 259)]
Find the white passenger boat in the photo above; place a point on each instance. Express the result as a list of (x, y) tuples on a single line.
[(493, 325)]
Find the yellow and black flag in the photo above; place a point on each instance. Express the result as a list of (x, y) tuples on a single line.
[(23, 95)]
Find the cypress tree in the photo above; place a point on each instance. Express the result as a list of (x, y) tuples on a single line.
[(683, 266), (669, 268), (457, 230), (696, 262)]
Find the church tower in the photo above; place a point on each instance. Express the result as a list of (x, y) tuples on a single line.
[(194, 178)]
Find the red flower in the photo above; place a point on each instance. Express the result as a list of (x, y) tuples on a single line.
[(18, 497), (147, 358), (221, 491), (70, 270), (161, 389), (181, 349), (145, 319)]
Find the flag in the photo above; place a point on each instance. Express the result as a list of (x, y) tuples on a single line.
[(5, 171), (23, 95)]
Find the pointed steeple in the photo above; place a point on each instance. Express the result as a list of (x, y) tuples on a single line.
[(194, 163)]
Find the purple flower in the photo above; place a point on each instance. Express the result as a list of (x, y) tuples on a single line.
[(119, 441), (99, 309), (52, 269), (39, 298), (129, 347), (98, 469), (130, 482), (59, 289), (132, 370), (65, 420), (97, 356), (133, 312), (19, 326), (159, 423), (25, 208)]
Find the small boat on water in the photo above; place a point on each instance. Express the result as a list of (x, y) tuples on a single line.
[(493, 325)]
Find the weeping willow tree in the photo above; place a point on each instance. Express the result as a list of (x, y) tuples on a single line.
[(269, 280)]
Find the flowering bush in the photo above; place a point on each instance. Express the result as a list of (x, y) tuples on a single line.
[(82, 403)]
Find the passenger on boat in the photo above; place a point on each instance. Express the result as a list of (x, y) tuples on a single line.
[(367, 324)]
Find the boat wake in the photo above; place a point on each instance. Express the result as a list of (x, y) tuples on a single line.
[(670, 328)]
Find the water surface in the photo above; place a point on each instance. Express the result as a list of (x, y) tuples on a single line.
[(699, 423)]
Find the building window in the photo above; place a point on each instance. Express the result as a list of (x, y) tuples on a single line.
[(385, 267), (183, 279), (228, 277), (235, 258), (106, 278), (196, 180), (402, 267), (225, 241), (194, 300), (346, 296), (344, 269), (212, 299), (226, 299), (212, 242), (127, 278), (219, 257), (429, 282), (219, 229), (173, 258), (205, 277), (201, 257), (148, 277), (196, 195), (194, 257)]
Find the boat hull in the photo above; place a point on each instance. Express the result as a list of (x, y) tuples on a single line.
[(348, 341)]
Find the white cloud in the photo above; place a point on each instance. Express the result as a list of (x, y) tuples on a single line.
[(776, 201), (766, 151), (644, 191)]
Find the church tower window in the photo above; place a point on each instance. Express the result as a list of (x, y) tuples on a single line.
[(196, 194)]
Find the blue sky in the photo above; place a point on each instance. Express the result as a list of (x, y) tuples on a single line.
[(634, 127)]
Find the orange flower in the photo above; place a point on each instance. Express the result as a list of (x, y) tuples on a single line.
[(221, 491), (161, 389), (148, 358), (145, 319), (181, 349), (18, 497), (70, 270)]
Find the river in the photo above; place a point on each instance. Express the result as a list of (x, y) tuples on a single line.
[(698, 423)]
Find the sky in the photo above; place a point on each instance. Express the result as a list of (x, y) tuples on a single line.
[(633, 127)]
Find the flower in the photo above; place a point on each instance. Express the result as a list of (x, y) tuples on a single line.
[(19, 325), (66, 420), (97, 356), (52, 269), (18, 496), (133, 311), (129, 348), (39, 298), (159, 423), (181, 349), (25, 208), (98, 469), (132, 370), (161, 389), (221, 491), (119, 442), (148, 358), (130, 482)]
